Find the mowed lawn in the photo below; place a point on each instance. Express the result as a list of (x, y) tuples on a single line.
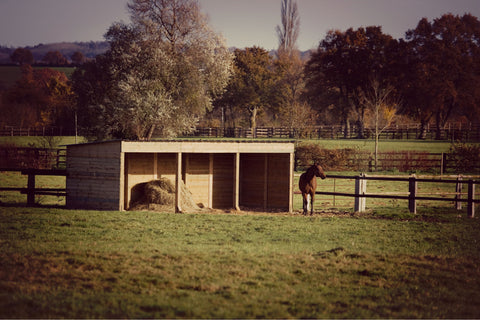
[(57, 263)]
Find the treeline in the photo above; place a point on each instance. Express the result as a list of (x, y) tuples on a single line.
[(151, 84)]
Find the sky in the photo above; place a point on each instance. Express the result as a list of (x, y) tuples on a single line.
[(243, 23)]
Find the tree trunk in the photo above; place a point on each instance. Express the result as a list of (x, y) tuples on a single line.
[(253, 120), (423, 130), (346, 132), (150, 132)]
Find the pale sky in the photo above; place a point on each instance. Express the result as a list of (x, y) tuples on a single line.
[(243, 23)]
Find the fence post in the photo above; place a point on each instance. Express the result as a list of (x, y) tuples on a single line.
[(31, 189), (458, 190), (412, 189), (360, 188), (471, 197)]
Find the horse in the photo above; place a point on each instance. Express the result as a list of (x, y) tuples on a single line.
[(308, 184)]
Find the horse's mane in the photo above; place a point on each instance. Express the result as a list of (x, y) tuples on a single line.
[(310, 172)]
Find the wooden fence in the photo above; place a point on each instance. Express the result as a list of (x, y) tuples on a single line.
[(36, 131), (402, 161), (452, 132), (31, 190), (411, 194), (32, 158)]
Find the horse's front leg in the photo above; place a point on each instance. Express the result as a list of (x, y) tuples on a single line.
[(305, 203), (312, 195)]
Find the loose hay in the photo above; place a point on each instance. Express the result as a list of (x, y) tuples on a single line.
[(159, 195)]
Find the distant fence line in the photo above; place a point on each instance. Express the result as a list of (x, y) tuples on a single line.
[(36, 131), (402, 161), (453, 131)]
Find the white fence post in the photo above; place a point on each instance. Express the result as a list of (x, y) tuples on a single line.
[(471, 197), (360, 188)]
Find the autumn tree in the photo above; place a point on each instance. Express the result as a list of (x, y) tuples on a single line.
[(41, 97), (78, 58), (250, 86), (54, 58), (442, 73), (342, 66), (161, 73), (22, 56)]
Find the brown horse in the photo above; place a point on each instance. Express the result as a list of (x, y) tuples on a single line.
[(308, 184)]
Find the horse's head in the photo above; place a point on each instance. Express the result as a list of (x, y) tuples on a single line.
[(319, 171)]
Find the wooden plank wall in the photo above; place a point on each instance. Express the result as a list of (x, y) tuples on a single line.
[(252, 180), (197, 177), (223, 181), (265, 181), (278, 181), (145, 167), (93, 177)]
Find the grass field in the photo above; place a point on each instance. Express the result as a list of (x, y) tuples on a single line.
[(88, 264)]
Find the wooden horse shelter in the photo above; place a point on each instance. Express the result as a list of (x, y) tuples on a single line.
[(219, 174)]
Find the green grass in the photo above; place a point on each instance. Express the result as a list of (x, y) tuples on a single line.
[(10, 74), (386, 145), (90, 264)]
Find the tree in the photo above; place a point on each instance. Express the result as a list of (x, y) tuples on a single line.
[(343, 65), (251, 84), (289, 30), (55, 58), (78, 58), (41, 97), (160, 74), (382, 103), (443, 69), (22, 56)]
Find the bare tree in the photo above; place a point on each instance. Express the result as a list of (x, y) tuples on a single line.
[(381, 102), (289, 30)]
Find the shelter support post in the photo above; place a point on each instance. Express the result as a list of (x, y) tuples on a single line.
[(236, 181), (290, 200), (178, 181)]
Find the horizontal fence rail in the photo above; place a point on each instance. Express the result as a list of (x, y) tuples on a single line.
[(412, 195)]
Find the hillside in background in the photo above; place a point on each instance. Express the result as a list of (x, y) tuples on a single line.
[(89, 50)]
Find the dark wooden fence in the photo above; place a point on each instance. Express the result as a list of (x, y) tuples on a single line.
[(31, 190), (453, 132), (402, 161), (32, 158)]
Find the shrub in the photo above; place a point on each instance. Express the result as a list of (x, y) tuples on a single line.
[(466, 157), (307, 154)]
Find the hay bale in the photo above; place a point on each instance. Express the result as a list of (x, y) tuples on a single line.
[(160, 191)]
